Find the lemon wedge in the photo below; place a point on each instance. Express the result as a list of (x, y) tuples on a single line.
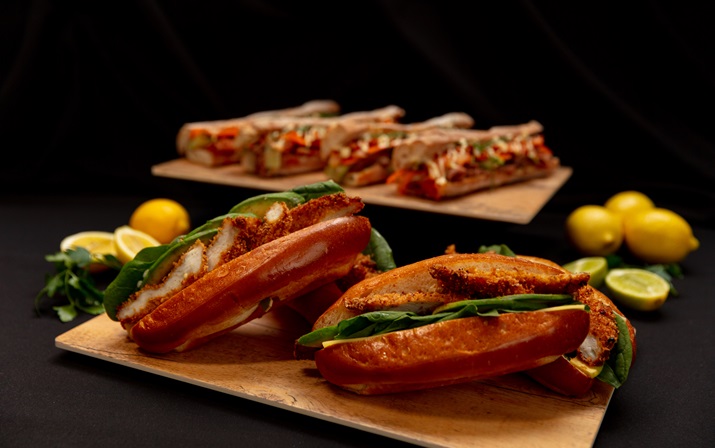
[(129, 241), (637, 288), (96, 242), (597, 267)]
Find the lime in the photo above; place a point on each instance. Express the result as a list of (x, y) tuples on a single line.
[(637, 288), (659, 235), (163, 219), (129, 241), (597, 267), (594, 230)]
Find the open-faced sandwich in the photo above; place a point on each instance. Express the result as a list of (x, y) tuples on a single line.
[(287, 146), (220, 142), (359, 153), (443, 163)]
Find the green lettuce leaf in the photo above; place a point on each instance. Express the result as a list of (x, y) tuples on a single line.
[(381, 322)]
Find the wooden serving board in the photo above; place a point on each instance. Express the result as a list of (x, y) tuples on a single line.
[(517, 203), (255, 362)]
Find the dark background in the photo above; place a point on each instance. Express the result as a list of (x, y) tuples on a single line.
[(93, 93)]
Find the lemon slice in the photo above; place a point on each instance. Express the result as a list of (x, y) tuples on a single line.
[(597, 267), (129, 241), (97, 243), (637, 288)]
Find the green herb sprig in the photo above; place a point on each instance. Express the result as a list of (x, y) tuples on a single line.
[(73, 280)]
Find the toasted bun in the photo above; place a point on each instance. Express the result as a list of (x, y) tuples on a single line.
[(563, 377), (452, 351), (234, 293)]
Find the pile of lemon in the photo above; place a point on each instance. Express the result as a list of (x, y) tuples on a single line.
[(154, 222), (651, 234)]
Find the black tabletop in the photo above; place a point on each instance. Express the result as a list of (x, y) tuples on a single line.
[(91, 96), (51, 397)]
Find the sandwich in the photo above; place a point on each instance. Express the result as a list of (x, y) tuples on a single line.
[(358, 153), (265, 252), (456, 318), (220, 142), (445, 163), (450, 319), (286, 146)]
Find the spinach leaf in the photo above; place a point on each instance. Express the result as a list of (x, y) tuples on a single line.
[(380, 251), (130, 277), (380, 322), (318, 189), (501, 249), (615, 371)]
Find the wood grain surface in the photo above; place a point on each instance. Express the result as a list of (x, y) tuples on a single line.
[(255, 362), (516, 203)]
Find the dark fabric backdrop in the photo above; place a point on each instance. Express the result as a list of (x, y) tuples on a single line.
[(93, 93)]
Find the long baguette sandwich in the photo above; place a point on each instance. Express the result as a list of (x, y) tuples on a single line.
[(445, 163), (286, 146), (267, 251), (357, 153), (450, 319), (220, 142)]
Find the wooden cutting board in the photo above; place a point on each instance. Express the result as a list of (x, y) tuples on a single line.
[(255, 362), (517, 203)]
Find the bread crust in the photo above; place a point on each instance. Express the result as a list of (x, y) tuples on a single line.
[(453, 351), (232, 294)]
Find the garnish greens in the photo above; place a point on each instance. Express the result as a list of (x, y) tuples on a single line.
[(381, 322), (74, 281)]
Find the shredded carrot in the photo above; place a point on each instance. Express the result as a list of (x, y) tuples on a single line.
[(196, 133), (293, 137), (230, 132)]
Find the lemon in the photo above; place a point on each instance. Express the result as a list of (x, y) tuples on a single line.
[(597, 267), (637, 288), (164, 219), (629, 201), (659, 235), (129, 241), (594, 230), (97, 243)]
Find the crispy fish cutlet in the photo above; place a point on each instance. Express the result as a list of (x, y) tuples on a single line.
[(603, 332), (498, 282)]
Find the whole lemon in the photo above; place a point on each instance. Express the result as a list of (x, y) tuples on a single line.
[(161, 218), (629, 201), (594, 230), (659, 235)]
